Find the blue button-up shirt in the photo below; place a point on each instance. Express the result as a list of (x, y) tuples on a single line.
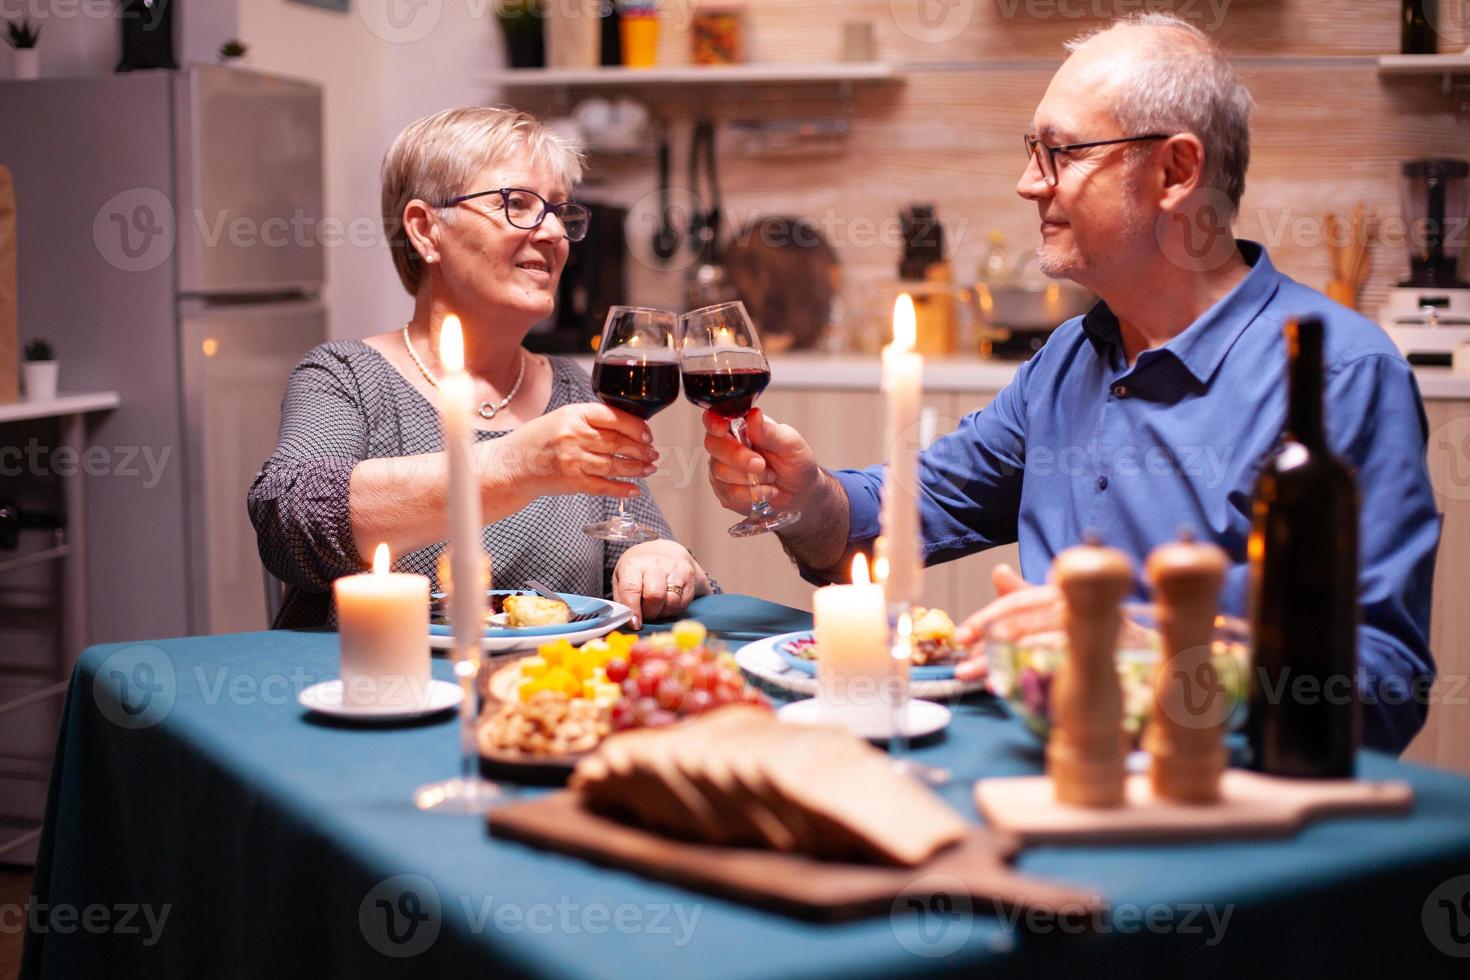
[(1080, 441)]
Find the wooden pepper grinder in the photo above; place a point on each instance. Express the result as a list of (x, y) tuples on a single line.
[(1085, 754), (1185, 737)]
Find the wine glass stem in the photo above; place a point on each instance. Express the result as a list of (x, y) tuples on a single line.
[(759, 506)]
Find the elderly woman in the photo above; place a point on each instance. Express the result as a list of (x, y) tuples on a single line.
[(475, 205)]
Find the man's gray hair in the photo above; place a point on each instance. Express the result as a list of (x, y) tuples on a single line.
[(1184, 83)]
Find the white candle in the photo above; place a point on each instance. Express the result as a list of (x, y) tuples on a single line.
[(903, 390), (853, 656), (457, 412), (383, 623)]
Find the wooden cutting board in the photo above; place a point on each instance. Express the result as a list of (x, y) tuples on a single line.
[(1254, 805), (791, 884)]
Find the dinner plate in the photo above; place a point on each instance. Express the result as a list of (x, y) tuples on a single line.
[(924, 718), (763, 661), (579, 605), (926, 672), (326, 698), (508, 641)]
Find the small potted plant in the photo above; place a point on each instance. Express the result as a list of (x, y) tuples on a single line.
[(25, 57), (232, 52), (39, 371)]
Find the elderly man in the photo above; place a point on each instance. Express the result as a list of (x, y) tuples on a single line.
[(1152, 412)]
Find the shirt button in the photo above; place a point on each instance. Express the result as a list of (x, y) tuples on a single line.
[(1102, 483), (1120, 391)]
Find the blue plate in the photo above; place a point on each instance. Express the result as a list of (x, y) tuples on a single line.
[(579, 604), (929, 672)]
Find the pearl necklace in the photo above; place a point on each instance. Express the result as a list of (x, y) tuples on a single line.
[(486, 410)]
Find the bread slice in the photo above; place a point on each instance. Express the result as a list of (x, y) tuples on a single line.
[(856, 805), (533, 610)]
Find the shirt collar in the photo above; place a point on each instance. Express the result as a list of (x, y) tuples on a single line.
[(1204, 343)]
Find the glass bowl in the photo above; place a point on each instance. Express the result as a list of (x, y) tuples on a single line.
[(1024, 649)]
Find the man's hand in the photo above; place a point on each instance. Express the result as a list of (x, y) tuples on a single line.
[(781, 462), (657, 580), (1013, 595)]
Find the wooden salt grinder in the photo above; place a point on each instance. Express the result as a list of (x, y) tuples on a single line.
[(1085, 754), (1185, 737)]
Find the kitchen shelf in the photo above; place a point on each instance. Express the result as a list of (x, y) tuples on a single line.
[(836, 73), (1447, 66), (66, 404), (35, 558)]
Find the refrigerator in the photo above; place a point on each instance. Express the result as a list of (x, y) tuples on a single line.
[(170, 247)]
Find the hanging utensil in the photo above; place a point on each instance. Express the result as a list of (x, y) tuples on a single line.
[(666, 238)]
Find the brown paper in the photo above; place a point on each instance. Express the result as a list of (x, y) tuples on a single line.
[(9, 310)]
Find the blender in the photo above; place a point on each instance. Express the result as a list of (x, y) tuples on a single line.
[(1428, 314)]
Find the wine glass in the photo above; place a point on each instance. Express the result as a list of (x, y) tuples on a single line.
[(636, 370), (725, 370)]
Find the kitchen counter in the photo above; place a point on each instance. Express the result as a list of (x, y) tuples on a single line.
[(804, 371)]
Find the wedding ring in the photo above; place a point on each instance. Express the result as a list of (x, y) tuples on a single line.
[(678, 591)]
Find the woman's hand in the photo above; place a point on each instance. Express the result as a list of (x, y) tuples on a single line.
[(575, 449), (657, 580)]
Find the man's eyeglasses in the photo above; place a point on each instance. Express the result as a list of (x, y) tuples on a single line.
[(526, 210), (1046, 155)]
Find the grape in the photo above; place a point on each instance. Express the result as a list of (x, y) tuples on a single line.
[(670, 693), (647, 684), (660, 719), (645, 708), (654, 666), (616, 670), (697, 702)]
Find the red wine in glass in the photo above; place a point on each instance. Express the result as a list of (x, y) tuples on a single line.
[(725, 370), (636, 371), (641, 388), (731, 393)]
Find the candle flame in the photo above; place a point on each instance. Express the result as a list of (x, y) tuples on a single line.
[(880, 569), (451, 344), (381, 562), (904, 326), (860, 570), (903, 644)]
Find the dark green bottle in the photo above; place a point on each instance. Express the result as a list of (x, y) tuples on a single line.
[(1305, 714)]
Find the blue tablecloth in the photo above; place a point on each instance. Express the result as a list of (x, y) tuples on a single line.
[(201, 823)]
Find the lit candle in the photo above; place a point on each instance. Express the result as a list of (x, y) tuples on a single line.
[(853, 656), (903, 390), (457, 412), (383, 623)]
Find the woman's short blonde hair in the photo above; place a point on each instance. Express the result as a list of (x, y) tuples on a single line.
[(435, 157)]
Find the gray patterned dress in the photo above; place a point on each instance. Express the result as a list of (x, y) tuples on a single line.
[(346, 403)]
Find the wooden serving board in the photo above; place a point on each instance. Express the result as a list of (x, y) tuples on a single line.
[(792, 884), (1253, 805)]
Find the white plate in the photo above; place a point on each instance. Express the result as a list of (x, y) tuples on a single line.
[(761, 660), (326, 698), (925, 718), (508, 644)]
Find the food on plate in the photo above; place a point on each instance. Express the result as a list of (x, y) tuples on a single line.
[(533, 610), (548, 724), (933, 633), (619, 679), (933, 636), (738, 776)]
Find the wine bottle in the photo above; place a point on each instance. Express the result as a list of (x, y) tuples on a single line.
[(1305, 713), (1416, 33)]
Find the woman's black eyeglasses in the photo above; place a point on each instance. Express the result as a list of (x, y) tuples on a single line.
[(526, 210), (1046, 155)]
